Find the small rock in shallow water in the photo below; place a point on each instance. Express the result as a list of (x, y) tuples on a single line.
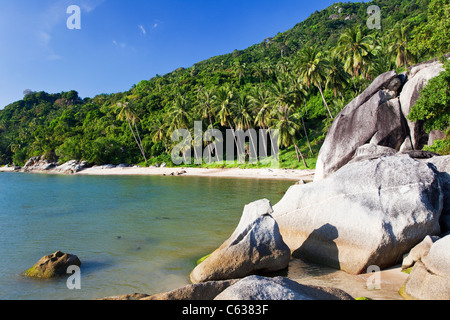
[(53, 265)]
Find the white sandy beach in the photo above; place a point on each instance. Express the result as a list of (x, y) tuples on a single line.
[(282, 174)]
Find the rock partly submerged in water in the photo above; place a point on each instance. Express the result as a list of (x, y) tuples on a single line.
[(53, 265), (367, 213), (256, 246)]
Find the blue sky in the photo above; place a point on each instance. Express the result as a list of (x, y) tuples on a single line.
[(123, 42)]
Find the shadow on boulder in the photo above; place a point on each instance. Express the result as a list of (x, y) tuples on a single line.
[(323, 238)]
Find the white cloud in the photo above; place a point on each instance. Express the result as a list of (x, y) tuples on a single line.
[(144, 32), (90, 5), (155, 26), (119, 44)]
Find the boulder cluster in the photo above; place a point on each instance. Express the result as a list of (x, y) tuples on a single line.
[(41, 164), (376, 200)]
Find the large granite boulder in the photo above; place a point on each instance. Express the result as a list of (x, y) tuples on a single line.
[(53, 265), (256, 246), (417, 80), (367, 213), (373, 117), (378, 116), (442, 164), (279, 288), (430, 277), (198, 291), (418, 252), (71, 167), (372, 151), (38, 164)]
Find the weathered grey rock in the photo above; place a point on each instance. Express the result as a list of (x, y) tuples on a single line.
[(373, 117), (442, 164), (256, 246), (31, 162), (367, 213), (70, 167), (435, 135), (378, 116), (417, 80), (53, 265), (199, 291), (38, 164), (279, 288), (372, 151), (430, 277), (418, 252)]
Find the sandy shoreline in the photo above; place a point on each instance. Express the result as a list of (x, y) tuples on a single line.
[(279, 174), (282, 174)]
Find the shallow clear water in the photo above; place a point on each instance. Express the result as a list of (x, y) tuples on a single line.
[(132, 233)]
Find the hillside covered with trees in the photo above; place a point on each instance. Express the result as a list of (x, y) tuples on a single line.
[(296, 81)]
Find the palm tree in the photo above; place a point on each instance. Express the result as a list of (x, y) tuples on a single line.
[(206, 109), (337, 78), (179, 115), (127, 113), (258, 71), (240, 69), (260, 99), (382, 61), (243, 118), (224, 107), (299, 94), (268, 68), (283, 65), (206, 106), (313, 69), (287, 129), (399, 47), (356, 49), (280, 94), (281, 97), (158, 131)]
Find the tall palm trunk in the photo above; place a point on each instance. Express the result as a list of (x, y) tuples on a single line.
[(324, 101), (306, 133), (140, 142), (297, 150), (235, 143), (137, 142)]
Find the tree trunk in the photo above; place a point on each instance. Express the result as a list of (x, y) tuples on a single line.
[(306, 134), (297, 149), (137, 142), (324, 101), (235, 143), (140, 141)]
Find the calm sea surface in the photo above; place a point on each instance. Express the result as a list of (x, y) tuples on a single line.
[(132, 233)]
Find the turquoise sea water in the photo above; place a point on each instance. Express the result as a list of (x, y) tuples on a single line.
[(133, 234)]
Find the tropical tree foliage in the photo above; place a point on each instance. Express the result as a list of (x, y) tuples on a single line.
[(295, 81)]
